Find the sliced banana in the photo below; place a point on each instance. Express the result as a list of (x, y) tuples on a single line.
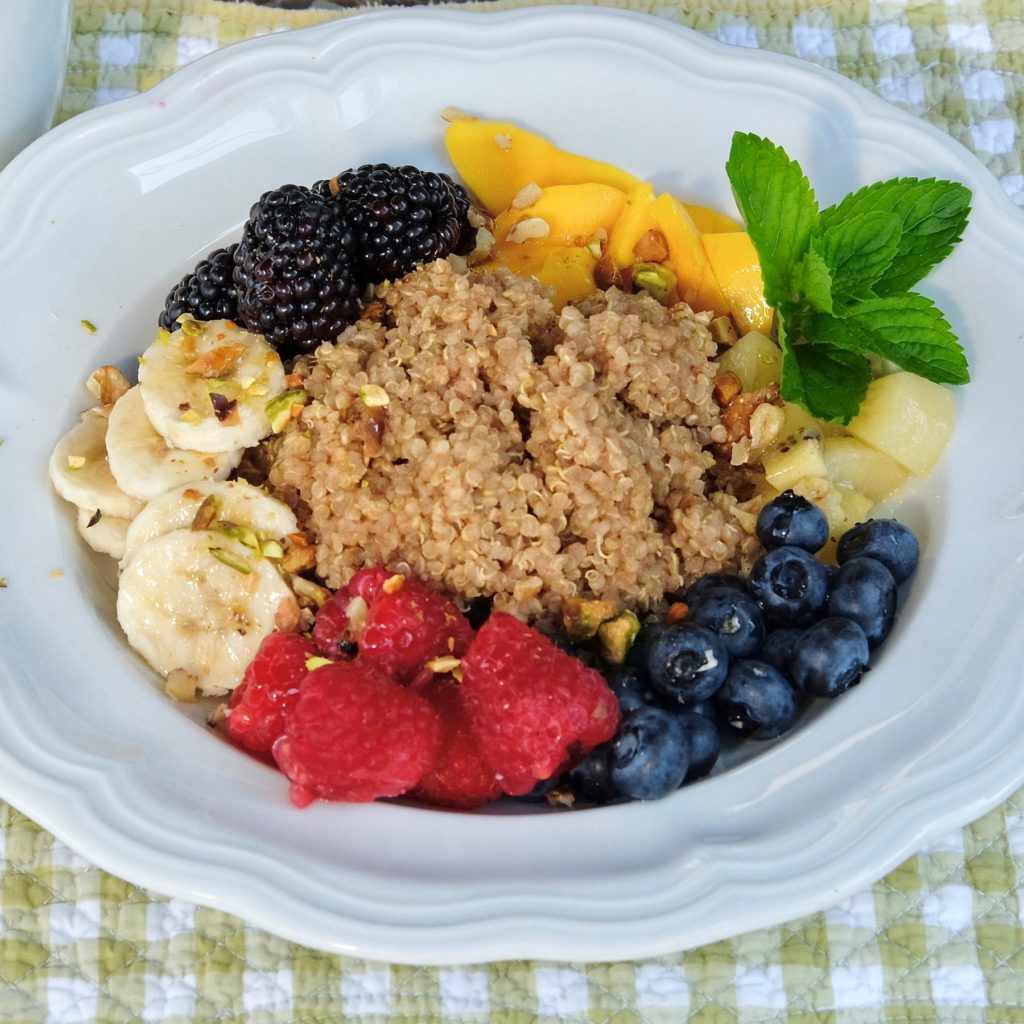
[(105, 534), (206, 386), (194, 602), (235, 501), (144, 464), (81, 474)]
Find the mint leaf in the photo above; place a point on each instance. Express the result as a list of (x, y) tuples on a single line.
[(814, 282), (779, 208), (933, 215), (791, 384), (910, 330), (832, 381), (857, 251)]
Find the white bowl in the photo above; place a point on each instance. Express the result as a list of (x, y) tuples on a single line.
[(103, 215)]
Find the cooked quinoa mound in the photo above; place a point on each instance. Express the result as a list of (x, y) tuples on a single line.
[(478, 440)]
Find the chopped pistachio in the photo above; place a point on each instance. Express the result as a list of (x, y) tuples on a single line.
[(393, 583), (206, 513), (655, 279), (314, 661), (242, 534), (272, 549), (443, 665), (231, 560), (616, 636), (279, 409), (309, 591), (88, 326), (191, 328)]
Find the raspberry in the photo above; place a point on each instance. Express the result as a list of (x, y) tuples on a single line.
[(262, 703), (534, 709), (356, 735), (460, 778), (408, 625), (332, 631)]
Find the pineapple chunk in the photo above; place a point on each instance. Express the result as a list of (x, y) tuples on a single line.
[(755, 359), (851, 463), (799, 455), (908, 418)]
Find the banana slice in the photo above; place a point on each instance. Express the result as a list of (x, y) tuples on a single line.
[(105, 534), (144, 464), (194, 602), (206, 386), (235, 501), (81, 474)]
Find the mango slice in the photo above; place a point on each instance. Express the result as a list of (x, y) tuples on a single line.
[(573, 214), (687, 260), (710, 221), (495, 159), (568, 269), (737, 268), (634, 222)]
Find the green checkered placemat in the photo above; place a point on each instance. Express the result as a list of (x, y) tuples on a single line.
[(940, 939)]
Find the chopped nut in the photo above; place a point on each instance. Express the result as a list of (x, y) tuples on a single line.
[(527, 228), (723, 331), (657, 280), (738, 411), (677, 611), (94, 518), (393, 583), (560, 798), (652, 248), (452, 114), (374, 311), (727, 387), (596, 243), (181, 686), (88, 326), (217, 362), (286, 617), (483, 246), (206, 513), (607, 275), (504, 141), (231, 560), (107, 384), (76, 461), (217, 715), (3, 582), (766, 424), (526, 196), (310, 594), (443, 665), (357, 611)]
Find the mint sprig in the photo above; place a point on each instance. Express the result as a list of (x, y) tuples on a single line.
[(840, 279)]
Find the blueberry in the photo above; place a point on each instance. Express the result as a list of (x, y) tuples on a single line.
[(830, 657), (687, 662), (539, 793), (865, 591), (713, 579), (777, 649), (589, 780), (791, 585), (734, 615), (650, 754), (632, 688), (756, 701), (637, 655), (790, 519), (705, 744), (885, 540)]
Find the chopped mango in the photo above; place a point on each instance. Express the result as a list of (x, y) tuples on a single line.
[(735, 263), (710, 221), (697, 283), (495, 159), (566, 214)]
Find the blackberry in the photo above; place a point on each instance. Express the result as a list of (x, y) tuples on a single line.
[(401, 216), (294, 270), (208, 292)]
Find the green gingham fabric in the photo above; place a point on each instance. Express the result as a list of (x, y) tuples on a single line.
[(940, 939)]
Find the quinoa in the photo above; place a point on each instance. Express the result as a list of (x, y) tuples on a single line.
[(524, 455)]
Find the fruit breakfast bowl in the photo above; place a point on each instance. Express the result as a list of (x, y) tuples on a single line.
[(105, 214)]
